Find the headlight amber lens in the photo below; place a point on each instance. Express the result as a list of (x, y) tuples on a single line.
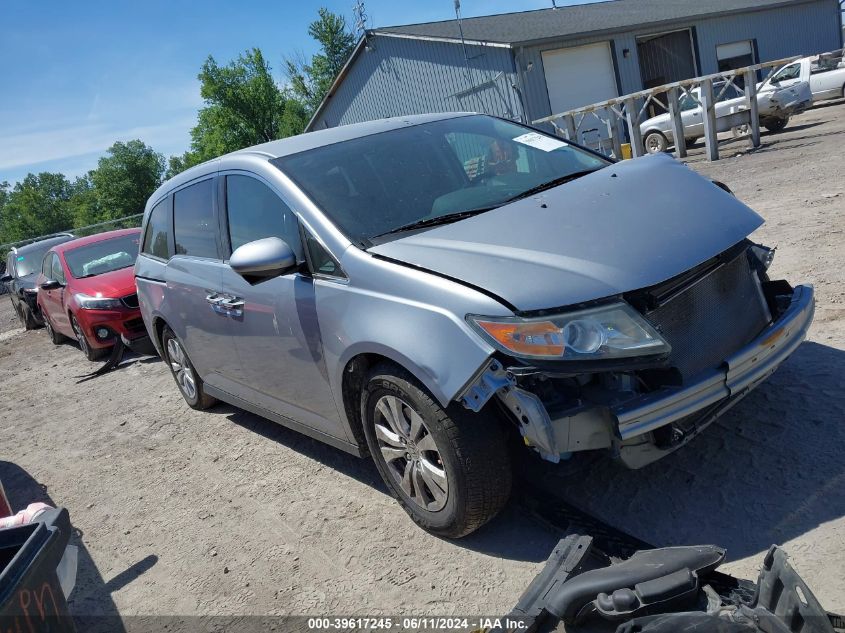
[(607, 332), (541, 338)]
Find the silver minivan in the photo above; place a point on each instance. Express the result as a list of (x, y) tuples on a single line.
[(437, 290)]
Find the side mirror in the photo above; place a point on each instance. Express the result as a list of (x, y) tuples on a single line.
[(263, 259), (50, 284), (6, 278)]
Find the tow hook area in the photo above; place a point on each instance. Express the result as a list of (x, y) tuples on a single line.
[(534, 422)]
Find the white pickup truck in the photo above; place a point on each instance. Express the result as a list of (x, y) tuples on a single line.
[(825, 74)]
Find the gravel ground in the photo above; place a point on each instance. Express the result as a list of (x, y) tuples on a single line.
[(181, 512)]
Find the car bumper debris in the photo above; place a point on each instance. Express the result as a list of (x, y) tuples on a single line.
[(664, 591)]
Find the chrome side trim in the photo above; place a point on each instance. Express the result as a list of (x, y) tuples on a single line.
[(744, 370)]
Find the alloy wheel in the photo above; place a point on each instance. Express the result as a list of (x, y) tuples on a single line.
[(181, 369), (83, 342), (411, 454), (654, 144)]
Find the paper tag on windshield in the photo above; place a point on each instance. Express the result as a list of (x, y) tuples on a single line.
[(545, 143)]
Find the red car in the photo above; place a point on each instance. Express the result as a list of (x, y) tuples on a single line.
[(86, 291)]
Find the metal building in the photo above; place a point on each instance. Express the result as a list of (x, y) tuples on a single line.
[(532, 64)]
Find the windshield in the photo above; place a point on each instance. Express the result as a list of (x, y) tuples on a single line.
[(103, 257), (30, 261), (374, 185)]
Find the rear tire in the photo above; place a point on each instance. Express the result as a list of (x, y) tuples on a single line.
[(449, 469), (55, 337), (776, 125), (91, 353), (190, 384), (655, 143)]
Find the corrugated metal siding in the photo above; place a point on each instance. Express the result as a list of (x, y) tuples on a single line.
[(406, 76), (400, 76), (803, 29)]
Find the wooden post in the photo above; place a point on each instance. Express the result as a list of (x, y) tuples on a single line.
[(632, 116), (677, 123), (569, 123), (620, 133), (708, 107), (751, 101)]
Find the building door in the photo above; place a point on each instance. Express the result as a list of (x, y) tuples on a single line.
[(735, 55), (665, 58), (579, 76)]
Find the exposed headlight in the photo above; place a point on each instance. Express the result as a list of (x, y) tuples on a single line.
[(97, 303), (607, 332)]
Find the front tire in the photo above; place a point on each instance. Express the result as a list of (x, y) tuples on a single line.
[(28, 320), (190, 384), (655, 143), (448, 468), (776, 125), (91, 353)]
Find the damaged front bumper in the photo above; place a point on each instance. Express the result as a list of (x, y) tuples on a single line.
[(676, 414)]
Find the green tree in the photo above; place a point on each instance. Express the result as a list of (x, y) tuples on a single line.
[(243, 106), (84, 204), (4, 194), (121, 183), (311, 81), (37, 205)]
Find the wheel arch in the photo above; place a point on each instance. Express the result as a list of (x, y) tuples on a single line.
[(352, 384), (158, 329)]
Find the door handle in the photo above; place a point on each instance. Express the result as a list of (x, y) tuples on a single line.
[(233, 303), (214, 299)]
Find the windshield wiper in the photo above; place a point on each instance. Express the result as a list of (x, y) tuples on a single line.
[(440, 219), (552, 183)]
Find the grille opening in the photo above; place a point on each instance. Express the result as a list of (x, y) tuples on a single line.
[(712, 317)]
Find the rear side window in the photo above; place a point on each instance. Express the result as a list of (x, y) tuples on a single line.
[(255, 212), (194, 228), (158, 229)]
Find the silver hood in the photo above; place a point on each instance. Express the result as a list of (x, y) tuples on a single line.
[(628, 226)]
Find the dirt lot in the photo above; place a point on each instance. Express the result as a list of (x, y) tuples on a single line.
[(181, 512)]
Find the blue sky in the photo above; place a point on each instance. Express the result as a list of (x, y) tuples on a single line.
[(77, 76)]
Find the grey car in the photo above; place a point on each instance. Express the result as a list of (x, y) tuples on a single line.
[(437, 290)]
